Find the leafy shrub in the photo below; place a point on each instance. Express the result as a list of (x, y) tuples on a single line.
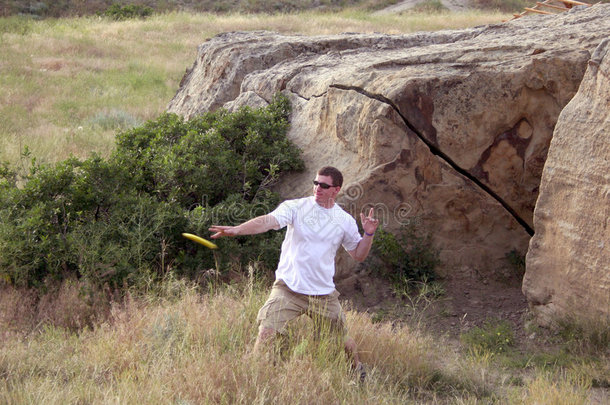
[(119, 219), (211, 158), (118, 12), (495, 336), (429, 6), (405, 257), (34, 8)]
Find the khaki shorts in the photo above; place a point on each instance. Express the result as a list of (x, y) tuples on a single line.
[(283, 305)]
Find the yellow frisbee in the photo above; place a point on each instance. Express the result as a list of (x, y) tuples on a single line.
[(198, 239)]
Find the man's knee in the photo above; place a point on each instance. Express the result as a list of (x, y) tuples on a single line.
[(266, 333), (264, 340), (350, 344)]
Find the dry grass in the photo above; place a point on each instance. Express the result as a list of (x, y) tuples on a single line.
[(194, 349), (68, 85), (556, 388), (177, 345), (71, 306)]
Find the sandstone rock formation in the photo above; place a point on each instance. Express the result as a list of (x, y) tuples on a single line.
[(451, 128), (568, 261)]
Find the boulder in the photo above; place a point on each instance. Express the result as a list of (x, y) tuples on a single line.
[(450, 129), (568, 260)]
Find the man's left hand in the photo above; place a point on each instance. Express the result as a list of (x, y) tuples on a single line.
[(369, 223)]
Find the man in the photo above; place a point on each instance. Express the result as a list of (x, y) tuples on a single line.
[(304, 277)]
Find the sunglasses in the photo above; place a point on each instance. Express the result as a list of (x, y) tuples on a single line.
[(323, 185)]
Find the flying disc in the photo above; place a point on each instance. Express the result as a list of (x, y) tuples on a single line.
[(198, 239)]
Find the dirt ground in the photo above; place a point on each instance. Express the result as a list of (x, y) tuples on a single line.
[(466, 301)]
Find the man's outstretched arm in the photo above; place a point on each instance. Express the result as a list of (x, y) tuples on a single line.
[(256, 225)]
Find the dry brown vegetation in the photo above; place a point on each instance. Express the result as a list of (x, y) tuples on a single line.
[(179, 344)]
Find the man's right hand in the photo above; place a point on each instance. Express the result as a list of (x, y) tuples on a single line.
[(222, 230)]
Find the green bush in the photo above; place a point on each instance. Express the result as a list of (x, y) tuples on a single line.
[(429, 6), (118, 12), (116, 220), (209, 159), (405, 257)]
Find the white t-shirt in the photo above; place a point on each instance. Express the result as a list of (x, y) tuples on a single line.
[(314, 234)]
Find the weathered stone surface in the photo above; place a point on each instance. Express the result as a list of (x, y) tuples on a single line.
[(449, 127), (568, 262)]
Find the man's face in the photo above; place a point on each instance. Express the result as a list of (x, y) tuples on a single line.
[(325, 196)]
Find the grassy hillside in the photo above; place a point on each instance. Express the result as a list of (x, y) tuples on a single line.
[(71, 8), (68, 85)]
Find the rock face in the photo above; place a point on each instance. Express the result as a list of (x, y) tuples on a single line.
[(568, 260), (448, 128)]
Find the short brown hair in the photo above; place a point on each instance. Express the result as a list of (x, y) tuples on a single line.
[(334, 174)]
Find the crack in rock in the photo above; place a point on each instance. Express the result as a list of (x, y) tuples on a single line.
[(437, 152)]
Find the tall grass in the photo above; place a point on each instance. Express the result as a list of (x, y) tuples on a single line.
[(192, 348), (67, 85), (177, 344)]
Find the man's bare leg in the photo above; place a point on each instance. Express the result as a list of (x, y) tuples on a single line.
[(265, 337), (352, 351)]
